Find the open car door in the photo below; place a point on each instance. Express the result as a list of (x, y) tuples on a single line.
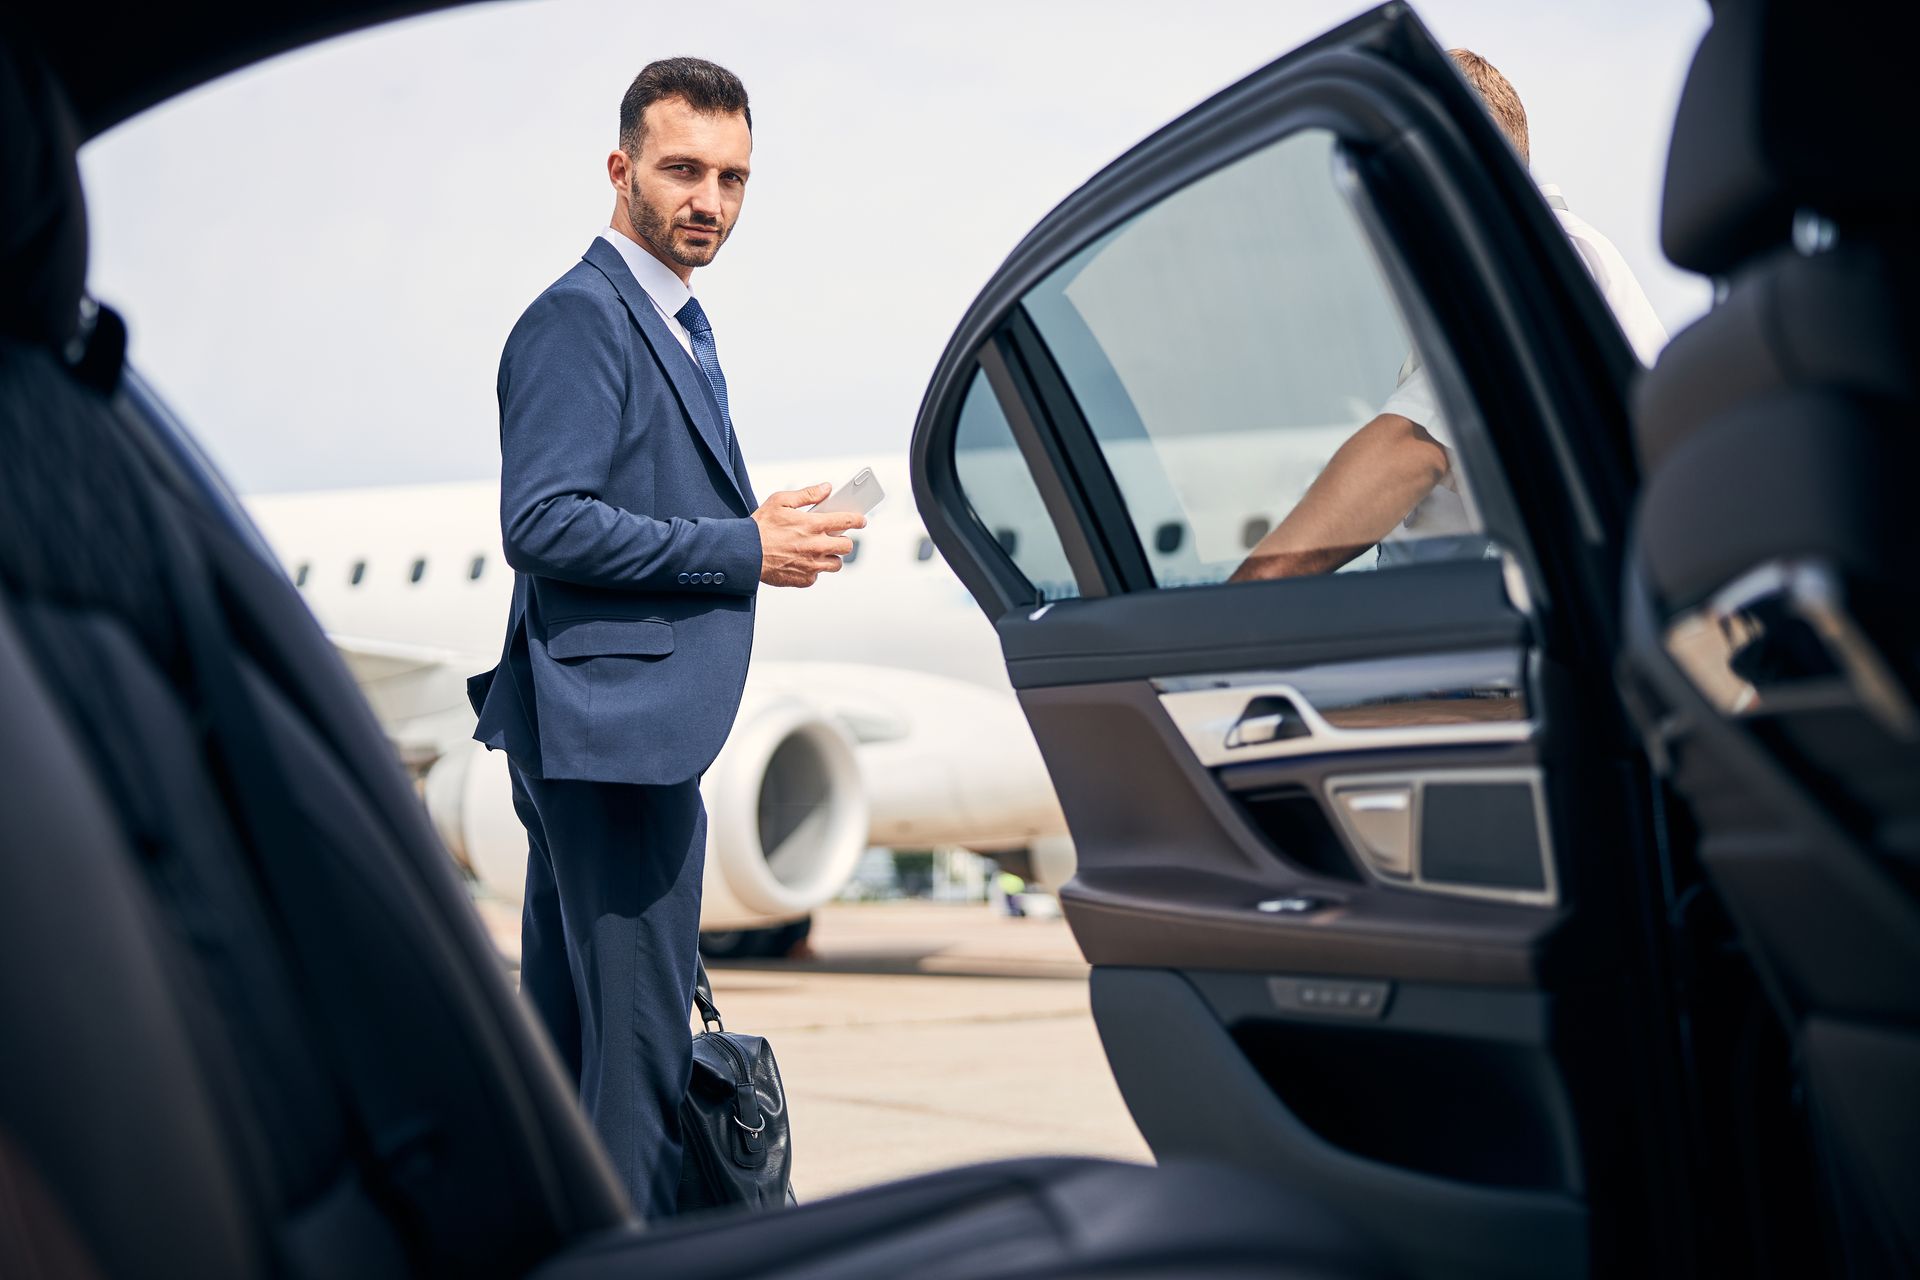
[(1368, 873)]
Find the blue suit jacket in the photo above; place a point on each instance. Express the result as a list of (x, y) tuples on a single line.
[(626, 521)]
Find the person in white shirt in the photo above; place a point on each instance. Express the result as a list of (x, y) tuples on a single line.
[(1393, 483)]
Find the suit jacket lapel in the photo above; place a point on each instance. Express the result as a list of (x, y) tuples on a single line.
[(689, 383)]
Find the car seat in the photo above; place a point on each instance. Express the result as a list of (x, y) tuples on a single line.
[(1772, 594)]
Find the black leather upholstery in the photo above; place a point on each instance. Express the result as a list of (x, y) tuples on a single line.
[(43, 220), (1015, 1219), (1778, 435), (376, 1093), (1789, 106), (1844, 319), (1793, 475), (106, 1103)]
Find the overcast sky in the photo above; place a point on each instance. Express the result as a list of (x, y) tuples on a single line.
[(321, 256)]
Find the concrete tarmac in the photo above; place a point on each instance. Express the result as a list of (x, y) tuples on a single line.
[(919, 1036)]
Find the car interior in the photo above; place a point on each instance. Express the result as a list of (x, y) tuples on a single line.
[(1771, 614), (1660, 1013), (257, 1027)]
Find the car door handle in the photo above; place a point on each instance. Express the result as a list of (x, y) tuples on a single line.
[(1267, 719), (1256, 729)]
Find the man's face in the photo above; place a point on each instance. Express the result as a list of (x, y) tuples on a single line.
[(685, 187)]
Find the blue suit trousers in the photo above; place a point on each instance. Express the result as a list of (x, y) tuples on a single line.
[(609, 943)]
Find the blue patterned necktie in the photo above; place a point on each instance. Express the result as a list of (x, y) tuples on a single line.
[(700, 330)]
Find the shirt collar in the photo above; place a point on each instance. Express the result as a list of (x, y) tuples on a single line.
[(655, 276), (1550, 191)]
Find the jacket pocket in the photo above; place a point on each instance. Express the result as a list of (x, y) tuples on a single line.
[(600, 637)]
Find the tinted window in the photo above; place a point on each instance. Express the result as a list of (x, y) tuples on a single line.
[(995, 479), (1224, 343)]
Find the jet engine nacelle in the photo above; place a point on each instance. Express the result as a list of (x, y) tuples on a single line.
[(787, 815), (945, 762)]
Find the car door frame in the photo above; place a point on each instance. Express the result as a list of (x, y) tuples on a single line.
[(1502, 309)]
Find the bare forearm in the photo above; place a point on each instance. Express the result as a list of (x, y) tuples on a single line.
[(1369, 485)]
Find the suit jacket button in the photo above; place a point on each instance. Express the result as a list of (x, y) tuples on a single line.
[(719, 578), (706, 577), (685, 578)]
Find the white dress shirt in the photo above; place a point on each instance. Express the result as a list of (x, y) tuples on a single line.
[(1609, 270), (1444, 512), (665, 290)]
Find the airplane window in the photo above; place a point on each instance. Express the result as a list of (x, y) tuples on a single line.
[(852, 555), (300, 574), (1256, 528), (419, 571), (478, 567), (924, 552), (1166, 539), (359, 572)]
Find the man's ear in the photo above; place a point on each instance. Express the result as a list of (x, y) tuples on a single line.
[(619, 170)]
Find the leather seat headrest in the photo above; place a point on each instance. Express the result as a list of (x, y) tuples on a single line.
[(43, 217), (1790, 105)]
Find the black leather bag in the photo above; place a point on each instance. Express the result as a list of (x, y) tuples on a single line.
[(733, 1122)]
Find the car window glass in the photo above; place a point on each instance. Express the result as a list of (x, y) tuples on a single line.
[(1001, 491), (1222, 346)]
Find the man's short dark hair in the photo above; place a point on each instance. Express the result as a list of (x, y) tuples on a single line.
[(704, 86)]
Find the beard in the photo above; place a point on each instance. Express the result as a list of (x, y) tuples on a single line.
[(656, 228)]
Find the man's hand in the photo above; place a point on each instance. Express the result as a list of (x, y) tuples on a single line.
[(797, 546)]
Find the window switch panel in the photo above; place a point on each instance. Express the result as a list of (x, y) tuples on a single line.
[(1333, 997)]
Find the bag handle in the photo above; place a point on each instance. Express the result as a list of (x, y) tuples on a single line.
[(703, 995)]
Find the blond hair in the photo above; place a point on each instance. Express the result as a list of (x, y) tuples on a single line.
[(1502, 102)]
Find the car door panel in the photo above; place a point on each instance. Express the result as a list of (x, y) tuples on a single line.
[(1358, 853), (1196, 1093), (1127, 905)]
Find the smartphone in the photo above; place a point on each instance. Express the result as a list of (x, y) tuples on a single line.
[(856, 497)]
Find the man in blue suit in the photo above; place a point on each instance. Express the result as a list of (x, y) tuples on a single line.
[(637, 547)]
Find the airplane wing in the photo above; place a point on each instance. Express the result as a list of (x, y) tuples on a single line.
[(928, 760), (418, 693), (372, 661)]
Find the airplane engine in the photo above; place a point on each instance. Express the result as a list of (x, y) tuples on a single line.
[(945, 762), (787, 816)]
